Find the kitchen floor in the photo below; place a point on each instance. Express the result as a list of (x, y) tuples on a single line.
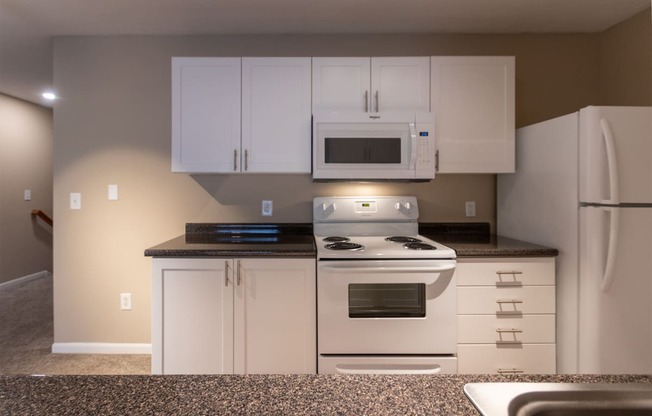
[(26, 337)]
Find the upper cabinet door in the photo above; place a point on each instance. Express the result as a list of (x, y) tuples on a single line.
[(205, 114), (341, 84), (276, 116), (473, 101), (400, 84)]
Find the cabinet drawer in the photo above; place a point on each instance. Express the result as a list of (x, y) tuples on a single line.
[(505, 300), (506, 359), (484, 329), (505, 272)]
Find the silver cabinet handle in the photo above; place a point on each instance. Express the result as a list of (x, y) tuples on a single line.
[(238, 279), (510, 330), (366, 101), (226, 273), (437, 161), (377, 102), (510, 371), (235, 160), (246, 161), (501, 301), (514, 282)]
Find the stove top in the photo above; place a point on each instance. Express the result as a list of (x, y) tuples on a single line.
[(380, 247), (376, 227)]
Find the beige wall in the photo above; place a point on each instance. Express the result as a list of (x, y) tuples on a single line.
[(112, 126), (626, 62), (25, 163)]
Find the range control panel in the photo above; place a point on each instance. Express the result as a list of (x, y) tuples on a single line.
[(365, 209)]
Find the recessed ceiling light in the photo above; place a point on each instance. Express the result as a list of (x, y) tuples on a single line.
[(49, 96)]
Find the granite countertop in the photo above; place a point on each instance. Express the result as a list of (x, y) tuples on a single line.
[(241, 240), (296, 240), (475, 240), (257, 394)]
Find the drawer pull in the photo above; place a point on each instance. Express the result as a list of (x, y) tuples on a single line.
[(513, 282), (511, 330), (510, 371), (501, 301)]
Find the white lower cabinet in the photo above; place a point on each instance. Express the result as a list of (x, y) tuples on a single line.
[(243, 316), (506, 315)]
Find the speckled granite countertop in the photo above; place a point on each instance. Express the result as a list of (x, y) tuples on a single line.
[(256, 394), (475, 240), (241, 240), (296, 240)]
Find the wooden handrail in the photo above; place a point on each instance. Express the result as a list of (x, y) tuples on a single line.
[(42, 215)]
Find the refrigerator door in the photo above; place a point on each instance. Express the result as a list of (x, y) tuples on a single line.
[(615, 155), (615, 313)]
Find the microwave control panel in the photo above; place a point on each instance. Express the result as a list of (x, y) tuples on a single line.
[(425, 153)]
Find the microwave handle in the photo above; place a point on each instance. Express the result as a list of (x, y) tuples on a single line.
[(413, 146)]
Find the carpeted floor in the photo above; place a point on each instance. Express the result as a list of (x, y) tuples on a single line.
[(26, 337)]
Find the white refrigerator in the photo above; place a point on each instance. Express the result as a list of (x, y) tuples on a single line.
[(583, 185)]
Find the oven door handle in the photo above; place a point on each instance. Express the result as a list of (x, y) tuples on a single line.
[(388, 269), (388, 369)]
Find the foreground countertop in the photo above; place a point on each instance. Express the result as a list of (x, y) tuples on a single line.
[(296, 240), (257, 394)]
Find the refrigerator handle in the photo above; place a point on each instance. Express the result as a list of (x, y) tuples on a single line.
[(612, 163), (614, 227)]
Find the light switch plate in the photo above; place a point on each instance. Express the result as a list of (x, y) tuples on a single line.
[(113, 192), (27, 195), (470, 208), (75, 200)]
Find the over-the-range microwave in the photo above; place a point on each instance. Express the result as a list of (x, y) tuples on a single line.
[(373, 146)]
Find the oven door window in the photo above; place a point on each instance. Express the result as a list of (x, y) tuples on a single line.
[(392, 300)]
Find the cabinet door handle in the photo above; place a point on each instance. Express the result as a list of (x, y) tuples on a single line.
[(235, 160), (366, 101), (238, 278), (377, 102), (246, 162), (437, 161), (226, 273), (510, 371)]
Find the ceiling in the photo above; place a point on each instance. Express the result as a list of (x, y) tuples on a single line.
[(28, 26)]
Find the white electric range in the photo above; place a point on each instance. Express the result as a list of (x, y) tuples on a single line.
[(386, 300)]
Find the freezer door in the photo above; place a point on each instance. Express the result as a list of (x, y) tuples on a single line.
[(615, 315), (616, 154)]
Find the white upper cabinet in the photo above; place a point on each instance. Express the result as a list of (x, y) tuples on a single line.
[(473, 99), (238, 115), (205, 114), (276, 116), (371, 84)]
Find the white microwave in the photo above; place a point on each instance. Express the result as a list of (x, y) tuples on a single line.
[(373, 146)]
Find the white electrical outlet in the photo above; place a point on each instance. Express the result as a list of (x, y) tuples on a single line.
[(470, 208), (27, 195), (75, 200), (268, 208), (125, 301)]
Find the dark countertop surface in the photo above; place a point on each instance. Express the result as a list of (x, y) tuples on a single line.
[(256, 394), (296, 240)]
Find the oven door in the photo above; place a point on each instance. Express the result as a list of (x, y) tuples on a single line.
[(386, 307)]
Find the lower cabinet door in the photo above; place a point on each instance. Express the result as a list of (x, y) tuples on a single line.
[(275, 316), (506, 359), (192, 317)]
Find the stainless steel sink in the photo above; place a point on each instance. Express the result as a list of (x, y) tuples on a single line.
[(560, 399)]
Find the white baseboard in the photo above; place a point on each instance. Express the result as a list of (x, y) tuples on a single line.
[(25, 279), (100, 348)]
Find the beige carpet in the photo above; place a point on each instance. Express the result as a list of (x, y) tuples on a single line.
[(26, 337)]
